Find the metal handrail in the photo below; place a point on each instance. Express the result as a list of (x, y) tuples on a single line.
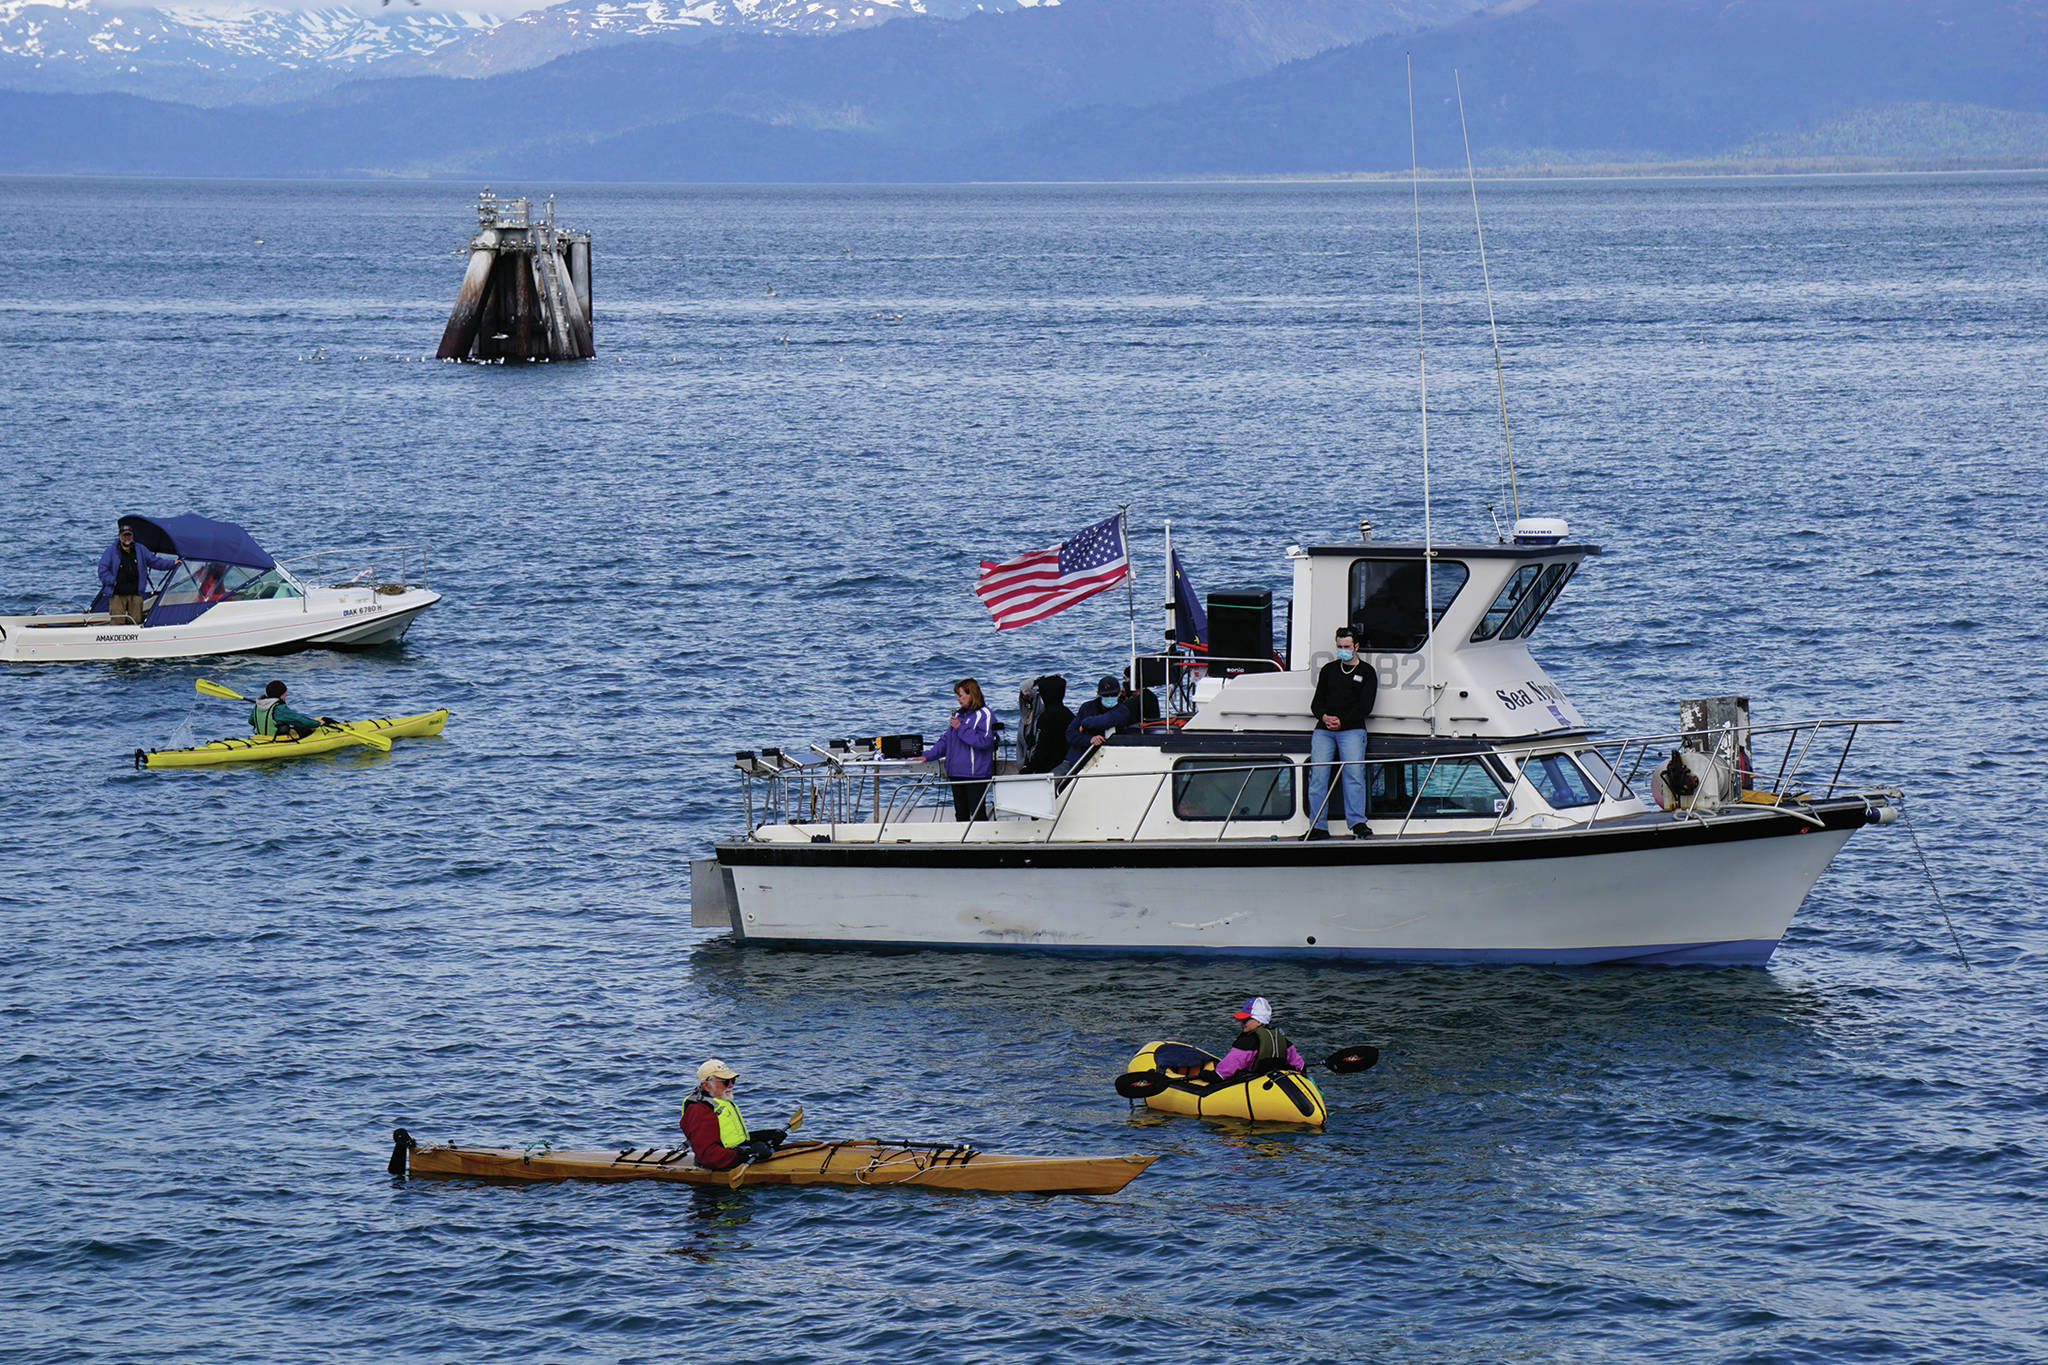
[(785, 791), (406, 554)]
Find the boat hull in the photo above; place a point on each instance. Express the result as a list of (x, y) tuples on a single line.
[(869, 1163), (259, 749), (1286, 1096), (1708, 892), (330, 618)]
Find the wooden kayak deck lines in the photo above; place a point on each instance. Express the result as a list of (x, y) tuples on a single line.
[(871, 1162)]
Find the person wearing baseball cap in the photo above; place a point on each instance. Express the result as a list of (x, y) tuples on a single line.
[(124, 576), (1259, 1046), (718, 1135)]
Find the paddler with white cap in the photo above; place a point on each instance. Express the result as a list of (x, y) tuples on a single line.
[(1259, 1047), (718, 1136)]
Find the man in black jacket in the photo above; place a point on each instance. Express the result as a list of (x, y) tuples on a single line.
[(1045, 724), (1345, 692)]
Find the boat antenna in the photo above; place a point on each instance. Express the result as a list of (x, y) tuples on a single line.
[(1422, 369), (1123, 527), (1499, 380)]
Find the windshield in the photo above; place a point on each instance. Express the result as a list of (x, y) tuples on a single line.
[(204, 582)]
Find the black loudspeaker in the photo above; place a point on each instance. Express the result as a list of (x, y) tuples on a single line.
[(1151, 672), (1241, 633)]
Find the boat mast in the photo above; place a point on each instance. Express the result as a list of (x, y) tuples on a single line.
[(1422, 369), (1499, 380)]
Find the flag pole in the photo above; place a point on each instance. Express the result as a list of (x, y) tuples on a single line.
[(1172, 589)]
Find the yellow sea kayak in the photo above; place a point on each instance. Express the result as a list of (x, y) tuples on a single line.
[(325, 740), (870, 1162), (1190, 1087)]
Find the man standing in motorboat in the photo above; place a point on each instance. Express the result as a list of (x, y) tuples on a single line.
[(1345, 692), (711, 1122), (1099, 718), (1259, 1047), (270, 717), (124, 573)]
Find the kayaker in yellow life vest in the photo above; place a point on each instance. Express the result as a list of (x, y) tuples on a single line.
[(718, 1136)]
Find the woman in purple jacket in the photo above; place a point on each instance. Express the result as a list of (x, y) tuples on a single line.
[(969, 748)]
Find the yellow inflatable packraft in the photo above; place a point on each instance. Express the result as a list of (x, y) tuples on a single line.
[(1285, 1096)]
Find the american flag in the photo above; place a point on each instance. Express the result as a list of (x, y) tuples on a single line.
[(1033, 586)]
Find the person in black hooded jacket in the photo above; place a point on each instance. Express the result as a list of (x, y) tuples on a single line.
[(1047, 745)]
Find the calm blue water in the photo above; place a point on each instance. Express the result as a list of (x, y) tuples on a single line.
[(1805, 418)]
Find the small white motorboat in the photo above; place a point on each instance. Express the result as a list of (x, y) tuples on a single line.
[(226, 595)]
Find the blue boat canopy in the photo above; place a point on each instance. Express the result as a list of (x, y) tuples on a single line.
[(190, 537), (217, 562)]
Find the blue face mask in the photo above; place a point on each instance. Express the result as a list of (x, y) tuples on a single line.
[(1347, 655), (1107, 702)]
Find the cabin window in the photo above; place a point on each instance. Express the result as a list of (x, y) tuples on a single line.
[(1233, 788), (1386, 600), (1497, 614), (1454, 787), (1535, 605), (1604, 777), (1560, 781)]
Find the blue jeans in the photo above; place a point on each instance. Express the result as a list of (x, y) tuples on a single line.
[(1325, 747)]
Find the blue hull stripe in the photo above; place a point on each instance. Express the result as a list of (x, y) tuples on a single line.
[(1752, 952)]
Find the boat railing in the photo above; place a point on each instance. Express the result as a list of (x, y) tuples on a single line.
[(385, 568), (842, 787)]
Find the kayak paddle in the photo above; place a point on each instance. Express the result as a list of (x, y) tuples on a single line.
[(1136, 1085), (377, 742)]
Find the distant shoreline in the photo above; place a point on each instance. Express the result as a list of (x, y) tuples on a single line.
[(1672, 170), (1786, 168)]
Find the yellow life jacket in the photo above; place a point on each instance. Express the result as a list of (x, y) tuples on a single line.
[(732, 1129)]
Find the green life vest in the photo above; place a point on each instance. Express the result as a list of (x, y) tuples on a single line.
[(263, 719), (1272, 1049), (732, 1129)]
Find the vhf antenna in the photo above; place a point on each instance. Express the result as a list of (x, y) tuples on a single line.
[(1500, 382)]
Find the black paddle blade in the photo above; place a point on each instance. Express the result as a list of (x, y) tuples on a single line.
[(1352, 1059), (1136, 1085)]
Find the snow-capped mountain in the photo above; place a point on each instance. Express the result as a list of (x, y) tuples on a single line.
[(543, 34), (182, 51), (215, 54)]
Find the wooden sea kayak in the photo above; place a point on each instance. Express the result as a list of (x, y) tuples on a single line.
[(325, 740), (871, 1162)]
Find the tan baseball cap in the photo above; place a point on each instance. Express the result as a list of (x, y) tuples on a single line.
[(714, 1067)]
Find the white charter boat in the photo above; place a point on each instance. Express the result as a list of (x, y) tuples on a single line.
[(226, 595), (1506, 829)]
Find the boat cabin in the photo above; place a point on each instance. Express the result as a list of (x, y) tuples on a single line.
[(1461, 667)]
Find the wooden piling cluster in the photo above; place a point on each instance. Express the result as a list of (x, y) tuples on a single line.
[(526, 294)]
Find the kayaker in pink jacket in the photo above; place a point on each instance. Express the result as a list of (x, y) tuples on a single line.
[(1259, 1047)]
